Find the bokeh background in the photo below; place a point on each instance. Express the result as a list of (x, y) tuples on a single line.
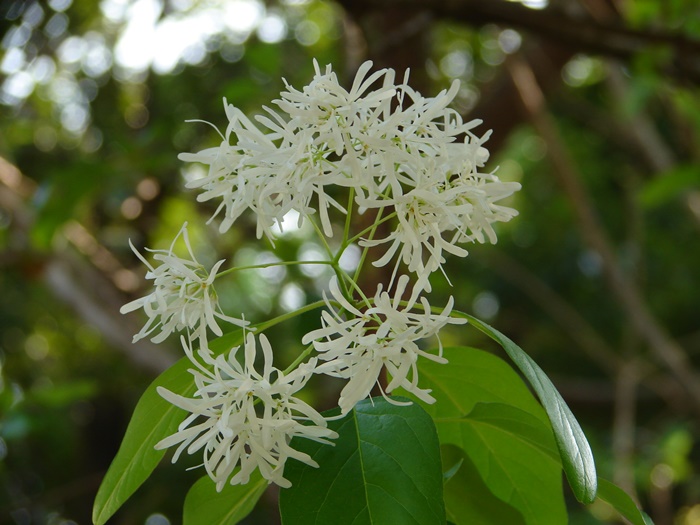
[(594, 108)]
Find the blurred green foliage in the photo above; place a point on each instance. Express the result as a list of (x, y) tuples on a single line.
[(96, 140)]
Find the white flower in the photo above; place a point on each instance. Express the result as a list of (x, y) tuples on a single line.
[(242, 420), (183, 298), (242, 173), (478, 196), (300, 172), (423, 213), (287, 165), (434, 186), (440, 201), (358, 347), (331, 111)]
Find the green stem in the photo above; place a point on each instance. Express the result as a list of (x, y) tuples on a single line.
[(348, 219), (269, 265), (359, 291), (261, 327), (342, 276), (322, 238), (372, 231), (300, 359)]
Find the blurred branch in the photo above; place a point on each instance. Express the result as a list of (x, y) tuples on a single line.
[(613, 130), (639, 126), (395, 37), (633, 366), (624, 424), (568, 318), (663, 347), (647, 138), (584, 335), (12, 178), (577, 31), (93, 296), (637, 135)]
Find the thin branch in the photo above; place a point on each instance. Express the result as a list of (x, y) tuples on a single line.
[(92, 297), (624, 424), (584, 335), (649, 141), (640, 128), (92, 293), (581, 33), (663, 347)]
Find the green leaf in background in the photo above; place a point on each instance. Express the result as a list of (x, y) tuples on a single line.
[(153, 419), (60, 198), (265, 58), (467, 498), (62, 395), (384, 469), (483, 407), (205, 506), (622, 503), (576, 454), (669, 185)]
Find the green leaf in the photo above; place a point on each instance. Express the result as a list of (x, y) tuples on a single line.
[(450, 465), (483, 407), (669, 185), (520, 424), (153, 419), (60, 199), (468, 499), (576, 454), (622, 503), (265, 58), (384, 468), (205, 506), (63, 394)]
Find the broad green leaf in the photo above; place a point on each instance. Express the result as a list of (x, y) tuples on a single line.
[(622, 503), (483, 407), (477, 377), (205, 506), (384, 468), (153, 419), (520, 424), (467, 498), (576, 454)]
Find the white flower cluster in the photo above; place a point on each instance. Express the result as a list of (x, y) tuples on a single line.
[(399, 152), (403, 158), (183, 298), (243, 420), (383, 336), (239, 418)]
